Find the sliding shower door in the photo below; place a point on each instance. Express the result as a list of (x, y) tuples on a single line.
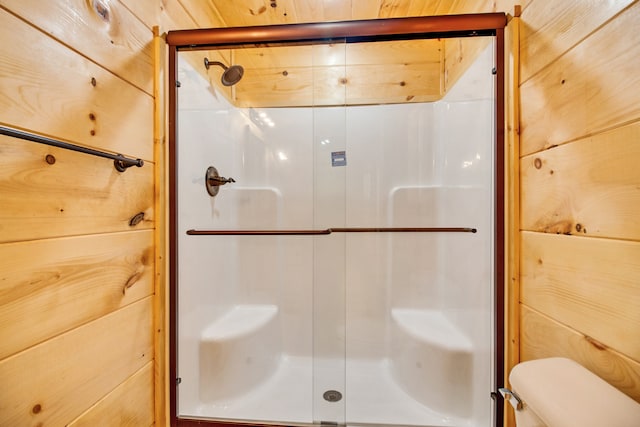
[(419, 298), (334, 234), (262, 317)]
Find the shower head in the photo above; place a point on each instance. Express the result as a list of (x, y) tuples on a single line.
[(231, 75)]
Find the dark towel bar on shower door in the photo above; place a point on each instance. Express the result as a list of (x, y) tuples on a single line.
[(120, 162), (331, 230)]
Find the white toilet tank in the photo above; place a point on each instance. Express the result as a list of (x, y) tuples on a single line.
[(558, 392)]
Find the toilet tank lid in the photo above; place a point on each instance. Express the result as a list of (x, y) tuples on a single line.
[(564, 393)]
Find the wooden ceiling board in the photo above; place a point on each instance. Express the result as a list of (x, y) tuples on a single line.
[(334, 10), (381, 72), (396, 52), (324, 74), (398, 83), (335, 85), (284, 57), (255, 12), (203, 13), (234, 13), (294, 89)]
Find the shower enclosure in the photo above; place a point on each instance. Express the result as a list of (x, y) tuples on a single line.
[(336, 252)]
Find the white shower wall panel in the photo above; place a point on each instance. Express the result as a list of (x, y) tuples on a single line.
[(388, 146)]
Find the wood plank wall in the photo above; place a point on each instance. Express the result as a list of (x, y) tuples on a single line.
[(580, 186), (80, 343)]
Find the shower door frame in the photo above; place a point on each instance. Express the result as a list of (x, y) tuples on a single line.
[(444, 26)]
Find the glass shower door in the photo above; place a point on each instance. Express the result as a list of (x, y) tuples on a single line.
[(344, 275), (261, 317), (419, 243)]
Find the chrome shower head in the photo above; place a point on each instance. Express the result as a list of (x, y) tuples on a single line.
[(231, 75)]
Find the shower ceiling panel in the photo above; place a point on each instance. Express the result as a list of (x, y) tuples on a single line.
[(411, 71), (335, 74), (344, 74)]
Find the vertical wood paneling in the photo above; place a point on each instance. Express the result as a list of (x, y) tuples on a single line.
[(54, 382), (588, 187), (48, 88), (512, 208), (87, 277), (161, 245), (507, 6), (591, 285), (589, 89), (104, 31)]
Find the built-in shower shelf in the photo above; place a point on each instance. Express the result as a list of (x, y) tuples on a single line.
[(432, 360), (238, 351), (433, 327), (240, 321)]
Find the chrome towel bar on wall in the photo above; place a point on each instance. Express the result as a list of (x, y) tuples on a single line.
[(330, 231), (120, 162)]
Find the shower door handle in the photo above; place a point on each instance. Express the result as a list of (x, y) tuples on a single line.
[(193, 232)]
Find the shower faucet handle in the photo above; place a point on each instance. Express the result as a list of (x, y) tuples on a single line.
[(213, 181), (220, 180)]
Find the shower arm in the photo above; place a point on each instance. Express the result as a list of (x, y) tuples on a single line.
[(208, 63)]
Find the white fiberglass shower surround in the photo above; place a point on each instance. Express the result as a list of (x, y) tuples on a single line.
[(347, 271)]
